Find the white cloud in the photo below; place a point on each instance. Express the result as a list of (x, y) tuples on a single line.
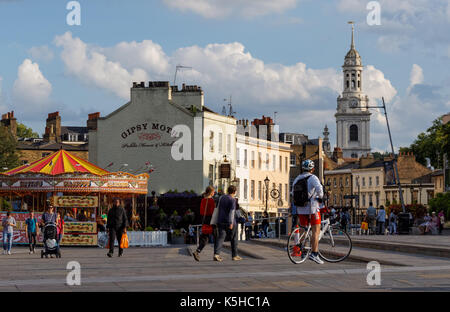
[(225, 8), (416, 76), (406, 23), (31, 86), (41, 53), (93, 67)]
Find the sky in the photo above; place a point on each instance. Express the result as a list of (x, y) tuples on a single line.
[(281, 56)]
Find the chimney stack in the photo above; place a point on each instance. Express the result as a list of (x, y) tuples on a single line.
[(53, 128), (10, 122)]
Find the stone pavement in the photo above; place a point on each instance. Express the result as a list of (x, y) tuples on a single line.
[(173, 269)]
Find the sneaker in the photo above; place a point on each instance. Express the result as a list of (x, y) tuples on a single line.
[(109, 254), (218, 258), (237, 258), (196, 255), (9, 252), (30, 252), (316, 259), (4, 252)]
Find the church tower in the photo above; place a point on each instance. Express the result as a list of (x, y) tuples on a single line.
[(352, 116)]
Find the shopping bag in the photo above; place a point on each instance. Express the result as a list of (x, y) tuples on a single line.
[(364, 226), (124, 241)]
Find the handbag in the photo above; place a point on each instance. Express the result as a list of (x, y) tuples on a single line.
[(215, 214), (364, 226), (124, 241)]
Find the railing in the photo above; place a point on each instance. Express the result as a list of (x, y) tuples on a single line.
[(145, 239)]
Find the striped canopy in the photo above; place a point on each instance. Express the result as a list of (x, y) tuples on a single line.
[(58, 163)]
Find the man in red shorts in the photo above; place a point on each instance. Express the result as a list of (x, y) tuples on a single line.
[(310, 213)]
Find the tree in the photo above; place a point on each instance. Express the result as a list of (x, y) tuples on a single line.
[(25, 132), (9, 157), (432, 144)]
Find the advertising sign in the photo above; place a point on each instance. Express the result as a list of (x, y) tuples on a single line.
[(20, 230)]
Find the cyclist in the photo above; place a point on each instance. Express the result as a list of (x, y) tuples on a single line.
[(310, 212)]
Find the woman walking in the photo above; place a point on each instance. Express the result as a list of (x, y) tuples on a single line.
[(32, 231), (207, 207)]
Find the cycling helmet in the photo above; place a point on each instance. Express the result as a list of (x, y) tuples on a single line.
[(307, 165)]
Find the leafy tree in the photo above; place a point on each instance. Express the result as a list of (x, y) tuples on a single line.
[(380, 156), (25, 132), (431, 144), (441, 202), (9, 157)]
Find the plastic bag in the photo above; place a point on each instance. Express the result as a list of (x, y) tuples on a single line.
[(124, 241)]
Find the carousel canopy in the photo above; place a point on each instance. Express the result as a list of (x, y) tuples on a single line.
[(58, 163)]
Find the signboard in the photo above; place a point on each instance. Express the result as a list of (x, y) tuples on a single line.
[(225, 171), (80, 227), (350, 196), (79, 240), (75, 201)]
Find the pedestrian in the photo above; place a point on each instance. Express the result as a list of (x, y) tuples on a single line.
[(255, 228), (434, 226), (116, 226), (392, 222), (345, 218), (227, 224), (371, 216), (8, 224), (248, 227), (59, 228), (207, 207), (441, 221), (32, 231), (381, 218), (49, 216), (265, 223)]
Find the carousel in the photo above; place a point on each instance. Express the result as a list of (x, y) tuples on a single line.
[(81, 192)]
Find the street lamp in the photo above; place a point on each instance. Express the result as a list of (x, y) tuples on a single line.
[(266, 182)]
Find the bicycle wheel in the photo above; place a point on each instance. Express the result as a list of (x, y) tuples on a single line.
[(335, 245), (299, 245)]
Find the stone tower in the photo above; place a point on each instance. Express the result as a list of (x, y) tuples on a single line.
[(352, 116)]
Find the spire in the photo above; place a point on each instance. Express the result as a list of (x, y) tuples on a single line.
[(353, 30)]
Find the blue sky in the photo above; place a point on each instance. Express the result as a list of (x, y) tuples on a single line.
[(282, 56)]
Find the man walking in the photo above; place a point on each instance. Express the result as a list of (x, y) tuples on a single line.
[(32, 231), (116, 226), (371, 216), (308, 194), (381, 218), (226, 224), (392, 222), (8, 224)]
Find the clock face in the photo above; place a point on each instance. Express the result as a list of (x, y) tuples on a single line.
[(353, 103), (349, 62)]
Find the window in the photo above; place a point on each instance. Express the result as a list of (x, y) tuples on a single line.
[(293, 160), (281, 191), (259, 160), (377, 181), (211, 175), (353, 84), (267, 161), (286, 192), (238, 157), (370, 181), (340, 181), (357, 181), (371, 198), (364, 200), (377, 199), (353, 133), (348, 84), (334, 182), (274, 162), (253, 159), (281, 164), (288, 139), (228, 143), (363, 181), (346, 181), (245, 158), (211, 141), (285, 164), (245, 188), (259, 189), (252, 189), (238, 187), (220, 142)]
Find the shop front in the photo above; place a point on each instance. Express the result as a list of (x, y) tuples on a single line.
[(80, 192)]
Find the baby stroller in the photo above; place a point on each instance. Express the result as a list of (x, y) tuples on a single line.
[(51, 246)]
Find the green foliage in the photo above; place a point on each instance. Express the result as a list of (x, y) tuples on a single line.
[(418, 211), (9, 157), (149, 228), (441, 202), (25, 132), (432, 144), (380, 156)]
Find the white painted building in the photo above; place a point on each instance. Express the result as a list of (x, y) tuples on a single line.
[(166, 130)]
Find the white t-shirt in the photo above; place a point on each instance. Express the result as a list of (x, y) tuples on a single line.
[(315, 190)]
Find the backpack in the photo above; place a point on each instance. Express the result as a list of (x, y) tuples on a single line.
[(301, 196)]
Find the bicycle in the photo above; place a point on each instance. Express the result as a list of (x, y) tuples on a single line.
[(335, 244)]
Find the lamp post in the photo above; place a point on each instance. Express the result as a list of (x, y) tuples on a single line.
[(266, 182)]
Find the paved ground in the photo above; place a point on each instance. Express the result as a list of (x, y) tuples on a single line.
[(173, 269)]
